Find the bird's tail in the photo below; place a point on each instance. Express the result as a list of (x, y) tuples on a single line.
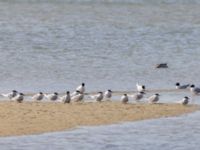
[(46, 95), (130, 95), (4, 95), (92, 96), (178, 102)]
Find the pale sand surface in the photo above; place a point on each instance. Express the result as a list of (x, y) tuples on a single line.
[(39, 117)]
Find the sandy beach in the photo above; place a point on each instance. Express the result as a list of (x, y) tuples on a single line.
[(39, 117)]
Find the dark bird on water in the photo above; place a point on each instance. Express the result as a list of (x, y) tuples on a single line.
[(162, 65)]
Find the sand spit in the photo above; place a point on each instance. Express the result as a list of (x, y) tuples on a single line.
[(39, 117)]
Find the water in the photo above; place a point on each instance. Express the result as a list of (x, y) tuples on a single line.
[(178, 133), (56, 45)]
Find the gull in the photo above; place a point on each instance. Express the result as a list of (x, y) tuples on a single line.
[(75, 93), (81, 88), (184, 101), (137, 96), (178, 86), (124, 98), (66, 98), (77, 98), (38, 97), (98, 97), (194, 90), (140, 88), (52, 97), (154, 98), (108, 94), (11, 94), (19, 98)]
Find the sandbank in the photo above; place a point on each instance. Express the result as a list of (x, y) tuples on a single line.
[(40, 117)]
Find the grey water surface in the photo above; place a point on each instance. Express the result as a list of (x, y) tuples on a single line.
[(54, 45)]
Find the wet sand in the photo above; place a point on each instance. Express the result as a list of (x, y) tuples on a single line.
[(39, 117)]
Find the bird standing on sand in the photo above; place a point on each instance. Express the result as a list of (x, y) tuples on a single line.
[(19, 98), (178, 86), (75, 93), (154, 98), (77, 98), (138, 96), (11, 94), (98, 97), (38, 97), (108, 94), (52, 97), (124, 98), (66, 98), (81, 88), (184, 101), (140, 88), (194, 90)]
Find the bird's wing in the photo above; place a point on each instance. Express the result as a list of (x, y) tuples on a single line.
[(75, 97), (131, 95), (79, 88), (184, 86), (35, 96), (5, 95), (151, 99), (93, 96), (197, 90)]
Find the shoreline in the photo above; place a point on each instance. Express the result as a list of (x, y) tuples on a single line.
[(39, 117)]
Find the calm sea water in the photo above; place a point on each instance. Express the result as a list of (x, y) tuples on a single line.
[(56, 45)]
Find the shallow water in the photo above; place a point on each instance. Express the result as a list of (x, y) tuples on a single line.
[(180, 133)]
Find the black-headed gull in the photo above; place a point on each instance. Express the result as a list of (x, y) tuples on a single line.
[(19, 98), (11, 94), (108, 94), (77, 98), (124, 98), (81, 88), (38, 97), (140, 88), (98, 97), (184, 101), (154, 98), (52, 97), (194, 90), (66, 98), (178, 86), (75, 93), (138, 96)]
